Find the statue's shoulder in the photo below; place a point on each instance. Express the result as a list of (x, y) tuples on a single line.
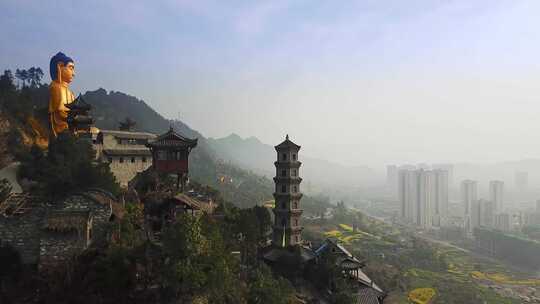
[(55, 86)]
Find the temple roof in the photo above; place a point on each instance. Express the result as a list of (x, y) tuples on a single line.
[(127, 152), (173, 139), (128, 134), (274, 253), (287, 143), (65, 220), (367, 295), (79, 104), (188, 201)]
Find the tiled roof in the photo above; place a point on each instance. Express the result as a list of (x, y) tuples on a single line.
[(127, 152), (128, 134), (366, 295), (275, 253), (172, 138), (66, 220), (287, 143)]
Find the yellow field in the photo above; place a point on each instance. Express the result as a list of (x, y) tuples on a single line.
[(346, 235), (503, 279), (346, 227), (421, 295)]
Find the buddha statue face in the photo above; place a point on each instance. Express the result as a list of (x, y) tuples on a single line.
[(62, 68), (67, 71)]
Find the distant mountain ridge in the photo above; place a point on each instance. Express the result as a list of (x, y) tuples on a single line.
[(246, 188), (253, 154)]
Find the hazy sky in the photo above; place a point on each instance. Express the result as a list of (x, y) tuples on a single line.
[(366, 82)]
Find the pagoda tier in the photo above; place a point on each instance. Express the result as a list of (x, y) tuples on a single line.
[(287, 212), (79, 119)]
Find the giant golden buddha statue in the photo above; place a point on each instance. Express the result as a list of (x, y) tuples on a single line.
[(62, 69)]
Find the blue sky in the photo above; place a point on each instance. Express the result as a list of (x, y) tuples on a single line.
[(360, 82)]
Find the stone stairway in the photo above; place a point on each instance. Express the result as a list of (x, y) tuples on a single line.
[(16, 204)]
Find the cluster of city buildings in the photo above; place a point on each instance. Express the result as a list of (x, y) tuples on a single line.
[(423, 193)]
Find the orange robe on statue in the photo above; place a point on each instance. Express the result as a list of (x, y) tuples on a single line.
[(58, 112)]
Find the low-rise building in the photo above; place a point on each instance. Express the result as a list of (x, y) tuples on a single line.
[(125, 151), (48, 234), (502, 222)]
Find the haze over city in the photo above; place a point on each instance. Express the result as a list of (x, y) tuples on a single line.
[(364, 83)]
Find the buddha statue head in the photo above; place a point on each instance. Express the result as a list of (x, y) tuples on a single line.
[(62, 68)]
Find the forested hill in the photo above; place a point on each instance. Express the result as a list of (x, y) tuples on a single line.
[(109, 109), (234, 181)]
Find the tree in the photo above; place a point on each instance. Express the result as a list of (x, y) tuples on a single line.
[(34, 75), (264, 221), (68, 166), (265, 289), (197, 262), (10, 269), (22, 75), (6, 83)]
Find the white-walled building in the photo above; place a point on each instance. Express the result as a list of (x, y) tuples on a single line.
[(423, 197), (503, 222), (496, 195), (125, 151), (482, 214), (469, 195)]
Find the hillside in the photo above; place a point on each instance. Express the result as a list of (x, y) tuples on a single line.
[(242, 187), (253, 154)]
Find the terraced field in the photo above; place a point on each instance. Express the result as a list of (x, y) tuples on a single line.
[(466, 278)]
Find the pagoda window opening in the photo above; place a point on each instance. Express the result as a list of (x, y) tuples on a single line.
[(296, 222), (283, 173), (121, 160), (295, 189), (283, 205), (133, 159), (283, 188), (144, 159), (295, 205), (297, 238), (294, 172), (284, 156), (294, 157)]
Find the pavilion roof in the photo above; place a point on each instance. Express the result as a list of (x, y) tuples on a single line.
[(127, 152), (128, 134), (367, 295), (188, 201), (79, 104), (173, 139), (287, 143)]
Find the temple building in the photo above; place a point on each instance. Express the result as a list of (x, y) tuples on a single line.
[(46, 235), (287, 243), (296, 259), (125, 151), (170, 154), (287, 195)]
